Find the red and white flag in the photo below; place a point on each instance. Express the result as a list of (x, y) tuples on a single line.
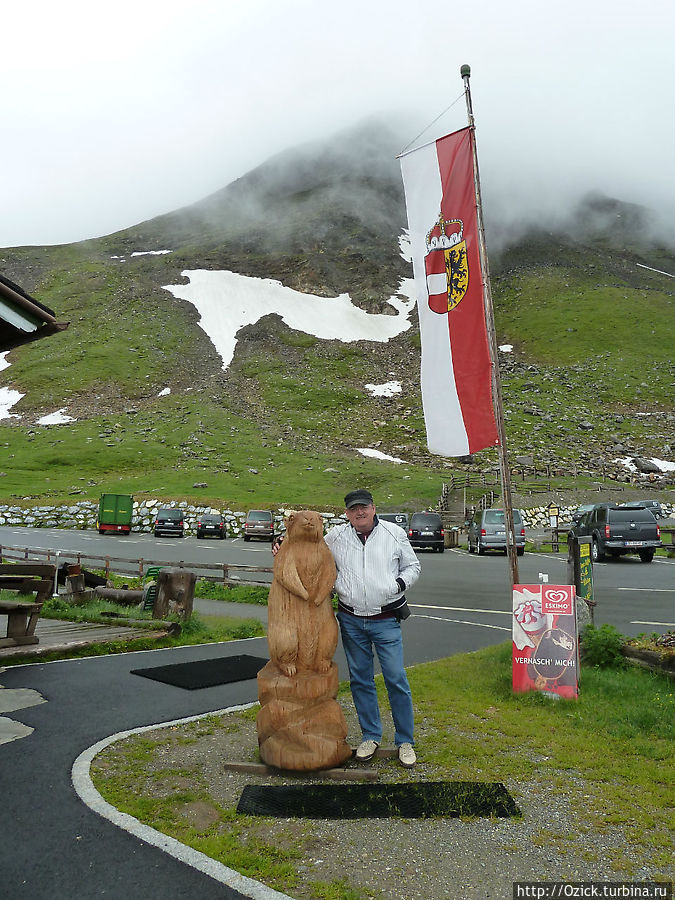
[(456, 366)]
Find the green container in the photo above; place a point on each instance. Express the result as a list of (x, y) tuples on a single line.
[(114, 513)]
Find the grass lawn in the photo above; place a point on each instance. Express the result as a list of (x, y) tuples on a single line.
[(607, 758)]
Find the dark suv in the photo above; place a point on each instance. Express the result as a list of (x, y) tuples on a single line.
[(169, 521), (426, 530), (211, 525), (653, 506), (617, 530), (400, 519)]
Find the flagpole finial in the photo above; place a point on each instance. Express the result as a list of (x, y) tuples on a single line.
[(465, 71)]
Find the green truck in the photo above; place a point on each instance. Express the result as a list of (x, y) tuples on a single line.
[(114, 513)]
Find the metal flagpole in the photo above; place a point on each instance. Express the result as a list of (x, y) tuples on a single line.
[(504, 468)]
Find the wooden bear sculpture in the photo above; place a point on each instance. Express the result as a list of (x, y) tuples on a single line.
[(300, 725)]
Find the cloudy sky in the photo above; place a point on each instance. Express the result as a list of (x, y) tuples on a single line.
[(115, 113)]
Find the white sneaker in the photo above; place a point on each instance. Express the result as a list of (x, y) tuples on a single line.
[(407, 756), (366, 750)]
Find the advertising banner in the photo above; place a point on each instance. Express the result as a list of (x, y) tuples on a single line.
[(545, 649)]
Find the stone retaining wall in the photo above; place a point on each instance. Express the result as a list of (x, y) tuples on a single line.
[(537, 516), (82, 515)]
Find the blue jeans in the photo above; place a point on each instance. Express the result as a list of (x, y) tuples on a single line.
[(359, 636)]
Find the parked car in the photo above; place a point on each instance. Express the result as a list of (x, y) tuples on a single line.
[(618, 530), (169, 522), (211, 525), (487, 531), (426, 530), (580, 510), (652, 505), (259, 523), (397, 518)]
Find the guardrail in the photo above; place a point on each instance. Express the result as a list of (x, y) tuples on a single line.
[(228, 574)]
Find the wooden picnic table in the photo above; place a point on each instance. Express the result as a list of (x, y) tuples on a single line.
[(22, 614)]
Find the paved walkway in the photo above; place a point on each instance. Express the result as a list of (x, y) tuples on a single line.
[(53, 845)]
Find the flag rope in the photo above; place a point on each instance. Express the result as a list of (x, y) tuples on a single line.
[(408, 146)]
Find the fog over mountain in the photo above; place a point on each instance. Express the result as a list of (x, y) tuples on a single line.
[(115, 118)]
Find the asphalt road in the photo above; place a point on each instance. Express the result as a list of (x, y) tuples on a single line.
[(454, 586), (53, 846)]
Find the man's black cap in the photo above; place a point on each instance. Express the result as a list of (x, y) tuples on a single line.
[(354, 498)]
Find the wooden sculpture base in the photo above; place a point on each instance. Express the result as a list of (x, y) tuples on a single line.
[(301, 726)]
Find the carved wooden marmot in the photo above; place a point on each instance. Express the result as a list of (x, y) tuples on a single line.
[(302, 630), (300, 725)]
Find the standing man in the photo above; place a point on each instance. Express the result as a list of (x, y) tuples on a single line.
[(375, 566)]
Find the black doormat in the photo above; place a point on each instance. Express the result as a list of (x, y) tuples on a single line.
[(205, 672), (417, 800)]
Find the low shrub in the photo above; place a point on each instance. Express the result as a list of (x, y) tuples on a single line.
[(601, 646)]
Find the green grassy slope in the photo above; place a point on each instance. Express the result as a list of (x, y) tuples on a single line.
[(591, 377)]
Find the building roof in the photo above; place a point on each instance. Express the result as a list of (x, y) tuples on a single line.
[(22, 317)]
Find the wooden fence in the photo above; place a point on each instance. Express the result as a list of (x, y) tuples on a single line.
[(531, 479), (228, 574)]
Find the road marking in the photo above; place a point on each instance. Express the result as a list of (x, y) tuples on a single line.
[(559, 558), (650, 590), (461, 622), (499, 612), (251, 549), (562, 559), (663, 624)]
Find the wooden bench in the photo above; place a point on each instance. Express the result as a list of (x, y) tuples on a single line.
[(669, 546), (22, 615)]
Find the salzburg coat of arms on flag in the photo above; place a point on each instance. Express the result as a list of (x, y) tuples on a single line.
[(446, 264)]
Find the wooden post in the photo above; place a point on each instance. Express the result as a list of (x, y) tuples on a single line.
[(175, 593), (492, 343)]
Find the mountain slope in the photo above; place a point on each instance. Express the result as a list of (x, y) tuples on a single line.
[(591, 377)]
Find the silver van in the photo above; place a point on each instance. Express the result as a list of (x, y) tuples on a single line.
[(487, 531)]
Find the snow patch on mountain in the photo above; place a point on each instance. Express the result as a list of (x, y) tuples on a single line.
[(227, 302), (58, 417), (8, 398), (377, 454), (388, 389)]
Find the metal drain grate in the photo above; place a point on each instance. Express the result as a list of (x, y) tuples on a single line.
[(416, 800)]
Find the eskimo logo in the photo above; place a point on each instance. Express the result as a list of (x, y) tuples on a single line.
[(446, 264)]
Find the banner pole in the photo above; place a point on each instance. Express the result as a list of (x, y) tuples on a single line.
[(504, 468)]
